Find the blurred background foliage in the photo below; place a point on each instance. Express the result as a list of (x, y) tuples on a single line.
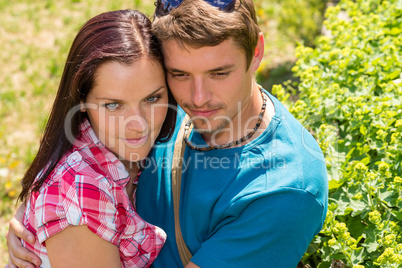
[(35, 36)]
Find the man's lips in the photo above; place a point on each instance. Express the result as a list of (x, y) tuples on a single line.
[(203, 113)]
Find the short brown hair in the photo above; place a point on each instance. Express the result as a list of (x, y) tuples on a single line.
[(197, 23)]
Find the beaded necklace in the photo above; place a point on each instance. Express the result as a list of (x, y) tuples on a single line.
[(230, 144)]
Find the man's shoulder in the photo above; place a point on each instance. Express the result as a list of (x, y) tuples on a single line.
[(287, 157)]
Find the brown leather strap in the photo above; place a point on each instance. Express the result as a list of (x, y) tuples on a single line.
[(177, 165)]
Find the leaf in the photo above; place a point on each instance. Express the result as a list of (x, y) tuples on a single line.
[(334, 184), (357, 256), (348, 157), (370, 243), (355, 226), (341, 200), (358, 207), (397, 215), (389, 197), (394, 74), (395, 31), (334, 178), (363, 130), (324, 264), (366, 160), (371, 246)]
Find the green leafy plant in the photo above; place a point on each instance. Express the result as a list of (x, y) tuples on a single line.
[(284, 24), (350, 98)]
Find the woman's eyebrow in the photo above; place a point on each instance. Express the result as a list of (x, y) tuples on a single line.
[(117, 100), (156, 91), (110, 99)]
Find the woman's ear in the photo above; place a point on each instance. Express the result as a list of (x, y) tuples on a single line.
[(258, 53)]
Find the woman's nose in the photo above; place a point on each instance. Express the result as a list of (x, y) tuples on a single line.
[(136, 122)]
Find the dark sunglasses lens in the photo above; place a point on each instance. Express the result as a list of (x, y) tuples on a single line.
[(225, 5), (163, 7)]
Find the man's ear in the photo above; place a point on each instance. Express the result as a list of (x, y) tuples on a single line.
[(258, 53)]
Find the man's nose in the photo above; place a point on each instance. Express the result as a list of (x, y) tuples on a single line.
[(200, 94)]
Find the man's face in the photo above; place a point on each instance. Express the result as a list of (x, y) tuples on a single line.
[(212, 84)]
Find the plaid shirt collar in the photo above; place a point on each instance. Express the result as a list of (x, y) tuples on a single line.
[(107, 160)]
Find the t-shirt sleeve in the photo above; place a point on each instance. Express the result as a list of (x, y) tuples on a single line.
[(271, 231), (77, 200)]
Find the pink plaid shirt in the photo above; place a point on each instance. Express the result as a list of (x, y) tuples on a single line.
[(87, 187)]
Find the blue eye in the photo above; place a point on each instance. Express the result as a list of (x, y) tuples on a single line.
[(152, 99), (112, 106)]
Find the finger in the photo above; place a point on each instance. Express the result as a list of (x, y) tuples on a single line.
[(10, 265), (20, 256), (17, 226), (16, 262), (18, 229)]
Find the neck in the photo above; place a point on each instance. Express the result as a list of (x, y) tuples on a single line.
[(243, 123), (132, 168)]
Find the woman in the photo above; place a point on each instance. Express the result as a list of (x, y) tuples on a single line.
[(110, 109)]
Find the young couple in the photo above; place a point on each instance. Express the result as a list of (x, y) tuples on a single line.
[(99, 192)]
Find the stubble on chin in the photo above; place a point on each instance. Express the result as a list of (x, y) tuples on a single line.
[(211, 127)]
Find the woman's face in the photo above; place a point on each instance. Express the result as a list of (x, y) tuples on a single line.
[(127, 106)]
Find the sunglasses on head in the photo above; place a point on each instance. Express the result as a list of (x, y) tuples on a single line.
[(163, 7)]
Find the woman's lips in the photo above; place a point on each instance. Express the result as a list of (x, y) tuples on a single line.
[(138, 141)]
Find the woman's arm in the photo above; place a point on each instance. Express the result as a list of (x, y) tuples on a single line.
[(77, 246)]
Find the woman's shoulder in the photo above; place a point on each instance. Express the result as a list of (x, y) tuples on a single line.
[(76, 168), (78, 193)]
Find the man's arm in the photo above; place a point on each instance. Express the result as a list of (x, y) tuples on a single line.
[(271, 231), (18, 255)]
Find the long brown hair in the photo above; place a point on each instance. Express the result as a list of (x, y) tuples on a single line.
[(124, 36)]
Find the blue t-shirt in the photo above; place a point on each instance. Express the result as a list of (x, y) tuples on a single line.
[(258, 205)]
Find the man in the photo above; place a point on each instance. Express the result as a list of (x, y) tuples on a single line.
[(254, 184)]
